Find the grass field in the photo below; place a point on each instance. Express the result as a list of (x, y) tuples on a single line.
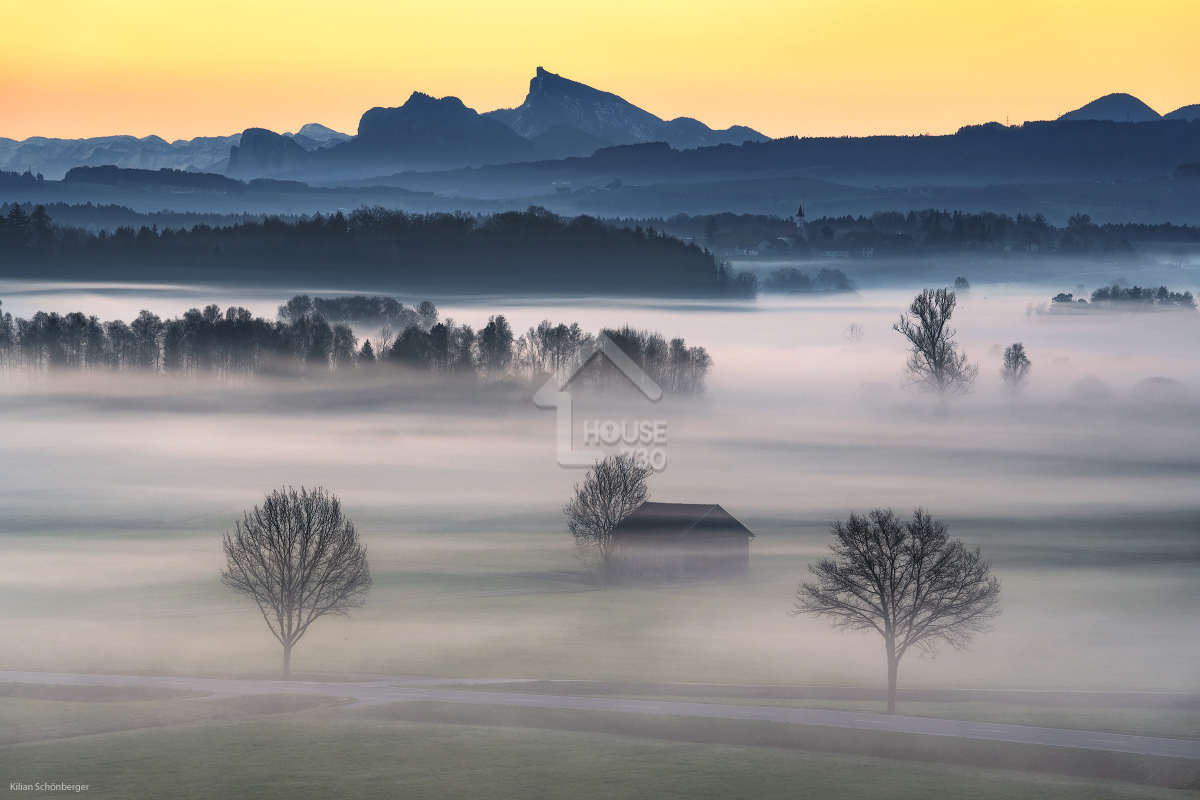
[(180, 747), (1166, 722), (45, 713)]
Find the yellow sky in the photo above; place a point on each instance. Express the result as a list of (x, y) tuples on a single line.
[(810, 67)]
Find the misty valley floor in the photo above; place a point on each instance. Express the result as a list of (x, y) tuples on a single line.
[(116, 492)]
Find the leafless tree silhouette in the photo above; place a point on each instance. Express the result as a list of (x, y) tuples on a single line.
[(612, 490), (1016, 366), (908, 581), (298, 557), (935, 361)]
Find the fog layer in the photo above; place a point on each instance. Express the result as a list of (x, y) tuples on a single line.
[(1081, 491)]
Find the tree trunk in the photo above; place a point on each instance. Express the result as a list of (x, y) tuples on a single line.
[(609, 567), (893, 667), (287, 662)]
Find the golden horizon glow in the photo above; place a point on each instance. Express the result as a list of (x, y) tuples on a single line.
[(78, 68)]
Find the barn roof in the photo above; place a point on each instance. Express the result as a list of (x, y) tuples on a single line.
[(680, 518)]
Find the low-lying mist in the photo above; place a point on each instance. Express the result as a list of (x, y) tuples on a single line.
[(1081, 491)]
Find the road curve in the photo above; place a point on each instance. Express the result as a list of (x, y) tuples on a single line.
[(378, 692)]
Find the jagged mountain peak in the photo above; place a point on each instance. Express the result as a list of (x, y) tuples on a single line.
[(544, 81), (436, 130), (420, 111), (558, 103), (261, 151), (420, 99)]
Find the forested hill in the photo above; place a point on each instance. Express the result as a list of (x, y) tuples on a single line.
[(529, 251)]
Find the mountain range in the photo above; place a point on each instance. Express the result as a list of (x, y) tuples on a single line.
[(565, 132), (53, 157), (1079, 152), (1112, 171), (558, 118)]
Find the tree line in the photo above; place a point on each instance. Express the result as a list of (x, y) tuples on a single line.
[(234, 342), (377, 243), (361, 309), (20, 180), (544, 350), (209, 340), (519, 249), (1132, 296), (94, 216), (795, 281), (895, 231)]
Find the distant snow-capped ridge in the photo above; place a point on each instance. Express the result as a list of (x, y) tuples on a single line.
[(54, 157)]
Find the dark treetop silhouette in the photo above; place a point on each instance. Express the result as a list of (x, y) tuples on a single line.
[(906, 580), (935, 362), (532, 250), (1016, 366), (233, 343), (883, 232), (611, 491), (1128, 297), (298, 557), (1148, 296)]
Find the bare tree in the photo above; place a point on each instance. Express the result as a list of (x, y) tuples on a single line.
[(383, 342), (908, 581), (612, 490), (935, 361), (1016, 366), (298, 557)]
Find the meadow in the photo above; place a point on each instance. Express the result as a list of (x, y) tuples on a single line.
[(180, 748)]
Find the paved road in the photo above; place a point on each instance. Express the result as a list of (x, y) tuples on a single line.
[(377, 692)]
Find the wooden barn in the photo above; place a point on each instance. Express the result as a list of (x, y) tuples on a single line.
[(681, 541)]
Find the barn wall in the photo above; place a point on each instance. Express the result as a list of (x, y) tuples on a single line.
[(666, 556)]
